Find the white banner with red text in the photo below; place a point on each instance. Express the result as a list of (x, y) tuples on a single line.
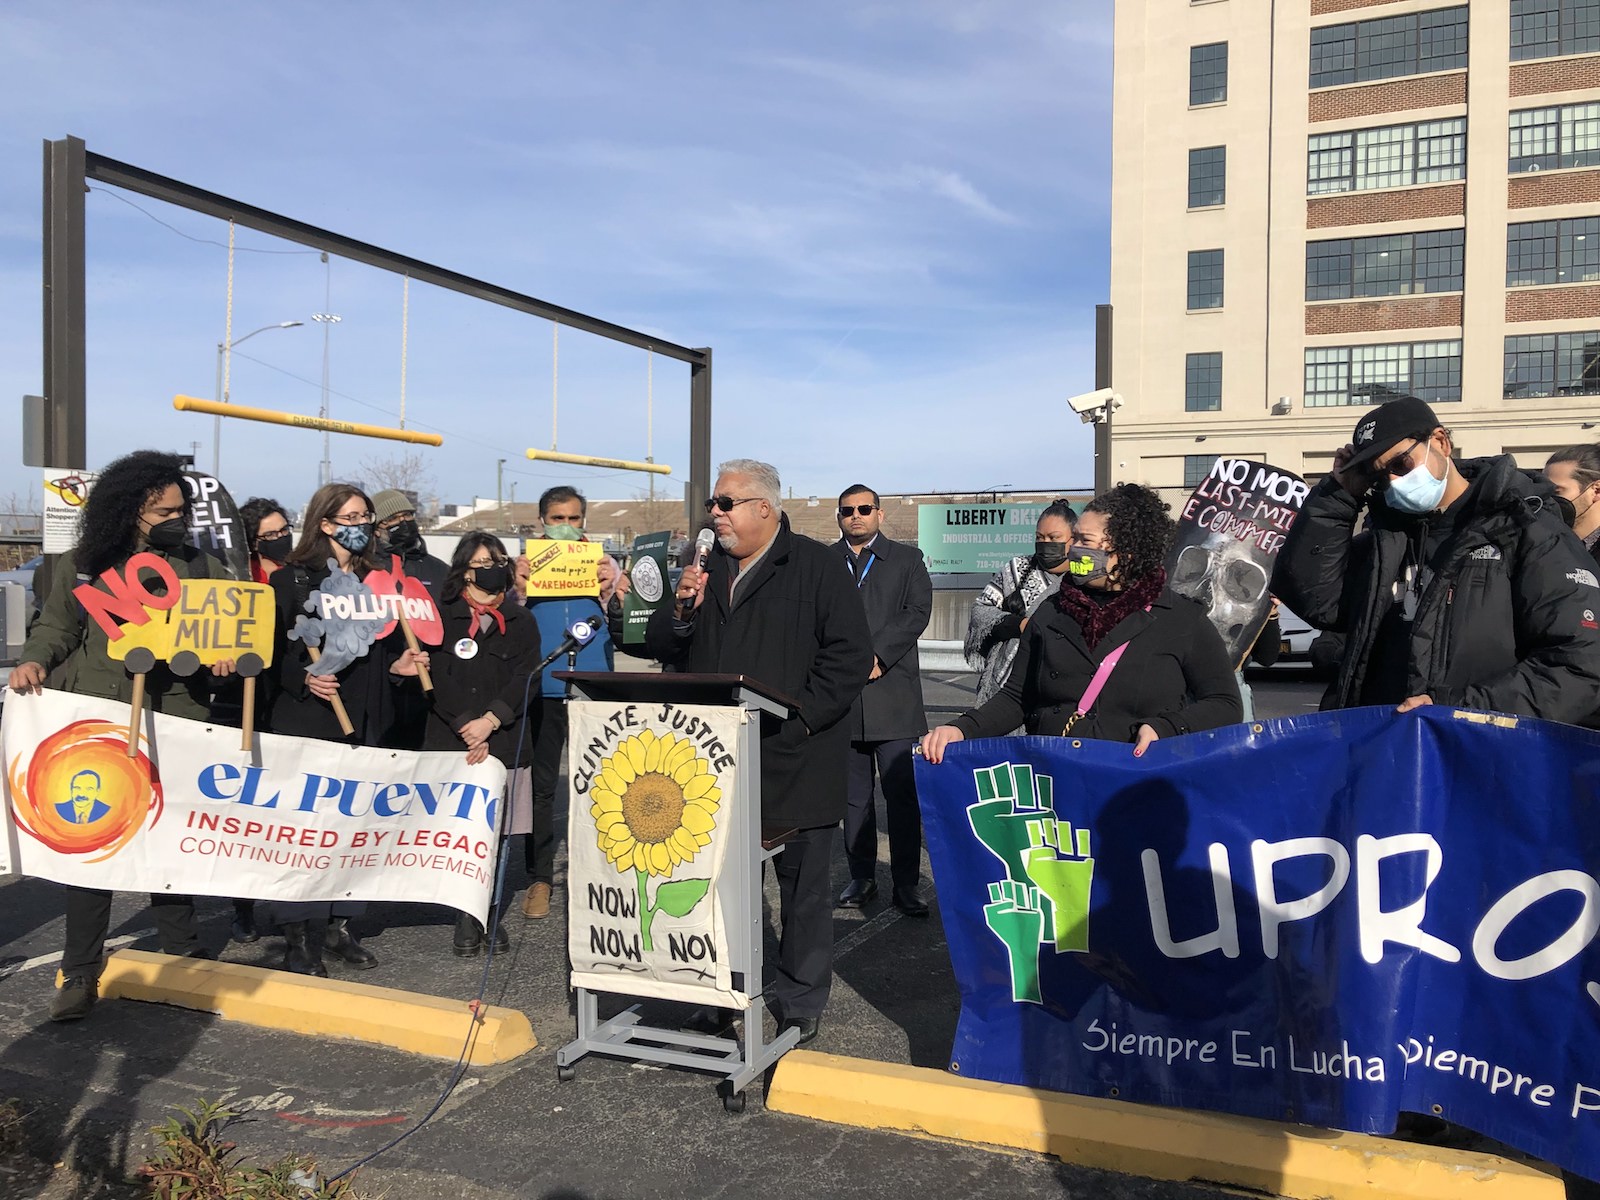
[(189, 812)]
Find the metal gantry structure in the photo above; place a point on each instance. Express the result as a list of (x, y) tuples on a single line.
[(69, 166)]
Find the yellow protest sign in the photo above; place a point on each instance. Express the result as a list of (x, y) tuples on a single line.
[(563, 568), (214, 619)]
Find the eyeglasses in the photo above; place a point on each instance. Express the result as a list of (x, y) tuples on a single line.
[(727, 503), (862, 510), (360, 518), (1397, 466), (497, 561), (277, 535)]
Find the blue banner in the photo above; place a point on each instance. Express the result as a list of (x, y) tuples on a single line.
[(1326, 920)]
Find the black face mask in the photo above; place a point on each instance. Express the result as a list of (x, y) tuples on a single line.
[(275, 549), (1049, 555), (167, 535), (404, 536), (491, 581)]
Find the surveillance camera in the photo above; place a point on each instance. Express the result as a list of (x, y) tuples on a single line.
[(1095, 406)]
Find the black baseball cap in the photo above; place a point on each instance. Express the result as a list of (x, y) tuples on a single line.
[(1388, 425)]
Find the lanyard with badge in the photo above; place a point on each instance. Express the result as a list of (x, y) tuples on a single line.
[(866, 570)]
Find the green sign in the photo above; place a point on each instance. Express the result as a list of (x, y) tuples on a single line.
[(975, 538), (647, 573)]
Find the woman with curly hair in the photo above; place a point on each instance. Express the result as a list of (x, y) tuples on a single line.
[(1008, 600), (138, 505), (1116, 655)]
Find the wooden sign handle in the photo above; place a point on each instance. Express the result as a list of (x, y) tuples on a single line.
[(338, 704), (248, 724), (411, 643), (135, 715)]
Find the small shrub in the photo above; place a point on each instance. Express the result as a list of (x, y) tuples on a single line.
[(195, 1161)]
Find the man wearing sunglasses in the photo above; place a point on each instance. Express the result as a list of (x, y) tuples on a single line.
[(1466, 587), (888, 717), (783, 609)]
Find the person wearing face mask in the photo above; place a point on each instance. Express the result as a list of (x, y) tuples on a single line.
[(338, 526), (1116, 654), (268, 535), (1575, 474), (139, 504), (1466, 588), (480, 687), (399, 536), (561, 511), (1017, 588)]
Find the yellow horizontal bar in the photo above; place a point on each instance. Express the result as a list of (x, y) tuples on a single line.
[(590, 460), (272, 417)]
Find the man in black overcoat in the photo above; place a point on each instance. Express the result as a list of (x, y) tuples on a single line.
[(888, 718), (784, 610)]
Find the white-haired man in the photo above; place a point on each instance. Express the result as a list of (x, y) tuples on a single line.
[(784, 610)]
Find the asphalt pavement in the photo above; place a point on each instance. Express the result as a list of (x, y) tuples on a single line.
[(618, 1130)]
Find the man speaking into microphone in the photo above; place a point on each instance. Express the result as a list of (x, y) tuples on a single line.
[(784, 610)]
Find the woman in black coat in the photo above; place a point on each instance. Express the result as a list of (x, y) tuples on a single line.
[(1173, 678), (339, 526), (481, 683)]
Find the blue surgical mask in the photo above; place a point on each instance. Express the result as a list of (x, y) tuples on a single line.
[(353, 538), (1417, 492)]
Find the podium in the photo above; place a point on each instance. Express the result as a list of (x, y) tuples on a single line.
[(650, 733)]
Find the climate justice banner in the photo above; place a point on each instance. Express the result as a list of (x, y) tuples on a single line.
[(1325, 919), (647, 832), (296, 819)]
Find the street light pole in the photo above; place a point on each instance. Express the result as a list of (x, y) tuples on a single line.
[(499, 504), (222, 397), (327, 320)]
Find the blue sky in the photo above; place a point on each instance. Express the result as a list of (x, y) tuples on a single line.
[(889, 221)]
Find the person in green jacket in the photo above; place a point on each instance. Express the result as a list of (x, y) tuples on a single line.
[(139, 504)]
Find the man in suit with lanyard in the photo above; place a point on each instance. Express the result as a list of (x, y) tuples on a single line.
[(888, 717)]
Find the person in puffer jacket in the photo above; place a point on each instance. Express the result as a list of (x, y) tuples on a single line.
[(1466, 588)]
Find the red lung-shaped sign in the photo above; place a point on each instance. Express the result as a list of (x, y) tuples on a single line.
[(395, 589)]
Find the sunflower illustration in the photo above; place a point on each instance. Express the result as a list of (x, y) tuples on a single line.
[(655, 805)]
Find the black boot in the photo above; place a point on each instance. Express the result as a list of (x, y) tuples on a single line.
[(343, 944), (301, 956), (244, 921), (502, 939), (469, 937)]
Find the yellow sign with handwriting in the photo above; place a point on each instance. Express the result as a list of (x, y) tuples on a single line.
[(214, 619), (563, 568)]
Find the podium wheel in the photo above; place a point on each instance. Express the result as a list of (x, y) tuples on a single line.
[(566, 1074), (733, 1102)]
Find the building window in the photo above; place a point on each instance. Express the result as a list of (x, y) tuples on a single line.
[(1391, 156), (1545, 28), (1205, 279), (1341, 375), (1398, 265), (1553, 364), (1540, 253), (1208, 73), (1202, 383), (1195, 469), (1389, 47), (1544, 139), (1208, 177)]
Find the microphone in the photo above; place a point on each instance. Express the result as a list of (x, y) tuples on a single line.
[(579, 635), (702, 554)]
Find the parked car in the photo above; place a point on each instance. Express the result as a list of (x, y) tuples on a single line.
[(1297, 637), (24, 576)]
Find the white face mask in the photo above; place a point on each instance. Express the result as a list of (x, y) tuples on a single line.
[(1417, 491)]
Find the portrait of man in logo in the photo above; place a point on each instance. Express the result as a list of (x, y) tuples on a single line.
[(83, 806)]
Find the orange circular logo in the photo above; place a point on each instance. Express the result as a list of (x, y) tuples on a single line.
[(82, 794)]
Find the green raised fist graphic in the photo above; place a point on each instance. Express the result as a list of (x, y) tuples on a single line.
[(1014, 917), (1059, 865)]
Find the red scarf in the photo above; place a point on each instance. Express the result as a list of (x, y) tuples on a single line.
[(1097, 619), (479, 610)]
